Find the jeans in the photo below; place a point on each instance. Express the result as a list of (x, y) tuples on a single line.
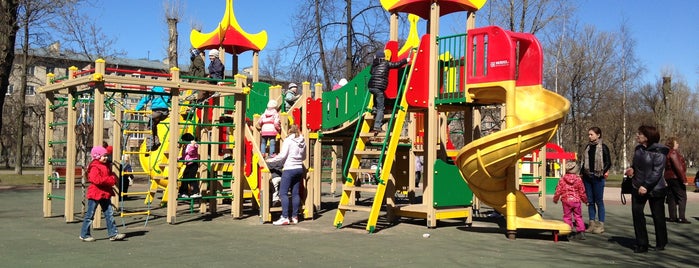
[(594, 188), (657, 211), (106, 206), (379, 99), (291, 179), (272, 144)]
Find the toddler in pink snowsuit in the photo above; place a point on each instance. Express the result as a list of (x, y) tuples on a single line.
[(571, 192)]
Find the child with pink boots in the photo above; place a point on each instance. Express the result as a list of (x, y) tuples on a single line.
[(571, 192)]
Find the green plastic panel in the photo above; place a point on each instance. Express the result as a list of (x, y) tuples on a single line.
[(551, 183), (257, 99), (450, 187), (346, 103)]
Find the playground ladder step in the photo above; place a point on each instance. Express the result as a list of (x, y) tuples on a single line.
[(368, 152), (389, 145), (360, 189), (354, 208)]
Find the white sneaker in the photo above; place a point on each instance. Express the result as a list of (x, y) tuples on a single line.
[(282, 221), (195, 196), (295, 220), (184, 196)]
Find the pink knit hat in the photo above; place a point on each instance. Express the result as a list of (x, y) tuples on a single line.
[(97, 152)]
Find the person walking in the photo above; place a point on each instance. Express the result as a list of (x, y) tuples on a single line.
[(418, 169), (676, 177), (102, 181), (649, 186), (595, 164), (292, 153), (571, 192), (378, 83)]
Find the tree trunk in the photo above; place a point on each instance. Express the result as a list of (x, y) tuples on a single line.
[(323, 61), (349, 67), (172, 42), (8, 34), (19, 152)]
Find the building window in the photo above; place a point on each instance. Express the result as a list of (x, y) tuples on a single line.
[(30, 70), (10, 89), (107, 115), (50, 70), (30, 91)]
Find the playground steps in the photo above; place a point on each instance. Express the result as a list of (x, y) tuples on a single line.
[(378, 148)]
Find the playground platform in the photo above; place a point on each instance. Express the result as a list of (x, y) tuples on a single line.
[(29, 240)]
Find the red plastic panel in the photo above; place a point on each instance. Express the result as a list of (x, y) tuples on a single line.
[(392, 88), (314, 114), (248, 157), (493, 57), (296, 114), (419, 81)]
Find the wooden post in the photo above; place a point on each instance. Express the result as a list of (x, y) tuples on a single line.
[(173, 154), (238, 152), (48, 149), (98, 122), (432, 118)]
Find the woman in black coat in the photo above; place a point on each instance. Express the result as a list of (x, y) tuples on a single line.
[(649, 186)]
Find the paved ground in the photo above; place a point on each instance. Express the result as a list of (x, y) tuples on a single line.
[(29, 240)]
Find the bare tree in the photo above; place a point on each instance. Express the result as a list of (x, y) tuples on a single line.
[(8, 34), (316, 58), (526, 15), (85, 38), (172, 17)]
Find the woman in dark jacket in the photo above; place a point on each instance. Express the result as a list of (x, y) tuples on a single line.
[(595, 164), (649, 186), (378, 83), (676, 176)]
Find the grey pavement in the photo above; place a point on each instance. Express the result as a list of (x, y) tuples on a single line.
[(29, 240)]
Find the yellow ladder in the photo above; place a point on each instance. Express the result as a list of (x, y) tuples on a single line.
[(363, 150)]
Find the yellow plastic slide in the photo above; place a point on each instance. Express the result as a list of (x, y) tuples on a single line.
[(488, 163)]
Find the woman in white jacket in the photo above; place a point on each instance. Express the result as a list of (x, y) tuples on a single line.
[(293, 153)]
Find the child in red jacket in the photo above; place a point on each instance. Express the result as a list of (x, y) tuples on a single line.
[(102, 181), (571, 192)]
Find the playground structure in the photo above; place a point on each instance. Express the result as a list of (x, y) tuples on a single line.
[(445, 75)]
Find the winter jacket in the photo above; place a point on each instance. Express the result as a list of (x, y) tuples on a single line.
[(216, 69), (570, 189), (675, 166), (197, 68), (270, 123), (293, 152), (649, 166), (290, 98), (157, 101), (191, 152), (275, 168), (102, 179), (379, 72)]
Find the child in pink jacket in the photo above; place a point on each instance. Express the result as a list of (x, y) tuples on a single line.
[(571, 192), (269, 124)]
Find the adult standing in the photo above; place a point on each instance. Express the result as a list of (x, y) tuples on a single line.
[(648, 186), (292, 153), (676, 177), (596, 163), (216, 67)]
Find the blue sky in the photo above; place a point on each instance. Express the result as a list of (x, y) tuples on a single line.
[(666, 32)]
